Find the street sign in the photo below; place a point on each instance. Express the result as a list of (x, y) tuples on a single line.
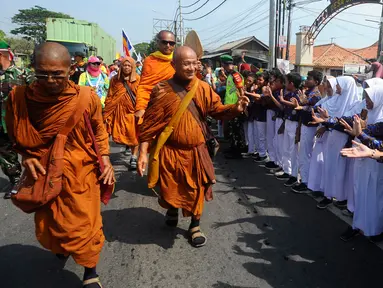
[(282, 43)]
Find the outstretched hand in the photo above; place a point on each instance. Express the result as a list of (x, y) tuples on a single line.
[(296, 104), (323, 113), (316, 119), (242, 103), (358, 151), (356, 129)]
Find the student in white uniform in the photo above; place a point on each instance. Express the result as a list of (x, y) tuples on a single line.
[(289, 144), (334, 164), (316, 163), (307, 134), (368, 173)]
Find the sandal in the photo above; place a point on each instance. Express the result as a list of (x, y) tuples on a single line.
[(198, 239), (92, 281), (171, 218)]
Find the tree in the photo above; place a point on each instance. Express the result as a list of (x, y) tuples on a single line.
[(152, 46), (32, 23), (2, 35), (20, 45), (142, 48)]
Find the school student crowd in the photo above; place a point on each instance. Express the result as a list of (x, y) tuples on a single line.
[(320, 137)]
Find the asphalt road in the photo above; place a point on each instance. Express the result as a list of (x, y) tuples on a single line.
[(259, 235)]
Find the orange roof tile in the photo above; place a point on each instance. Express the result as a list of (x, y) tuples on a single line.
[(336, 56), (333, 55), (368, 52)]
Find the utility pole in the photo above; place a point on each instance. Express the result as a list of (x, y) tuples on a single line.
[(380, 36), (276, 32), (283, 23), (278, 54), (271, 34), (290, 8), (181, 26)]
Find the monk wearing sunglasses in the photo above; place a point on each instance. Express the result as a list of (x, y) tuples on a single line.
[(157, 67)]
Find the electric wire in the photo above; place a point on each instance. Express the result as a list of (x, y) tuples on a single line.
[(195, 10), (203, 16), (224, 23), (190, 4), (234, 26)]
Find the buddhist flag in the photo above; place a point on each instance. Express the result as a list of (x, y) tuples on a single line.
[(126, 45), (139, 58)]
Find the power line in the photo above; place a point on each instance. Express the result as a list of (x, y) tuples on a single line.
[(239, 29), (234, 26), (340, 19), (229, 23), (342, 27), (223, 2), (305, 2), (224, 23), (314, 10), (195, 10), (256, 22), (190, 4)]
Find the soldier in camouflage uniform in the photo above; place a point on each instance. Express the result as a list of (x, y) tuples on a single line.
[(10, 76)]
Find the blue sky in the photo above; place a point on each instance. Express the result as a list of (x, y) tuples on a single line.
[(136, 17)]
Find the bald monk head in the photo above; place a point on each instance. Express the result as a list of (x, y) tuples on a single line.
[(185, 63), (166, 42), (52, 64)]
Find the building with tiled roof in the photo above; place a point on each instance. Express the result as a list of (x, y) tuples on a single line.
[(256, 51), (331, 58), (369, 52)]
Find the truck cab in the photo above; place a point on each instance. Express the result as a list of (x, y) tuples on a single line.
[(74, 47)]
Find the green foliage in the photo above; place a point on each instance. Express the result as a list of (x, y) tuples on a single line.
[(2, 34), (152, 46), (32, 23), (142, 48), (20, 45)]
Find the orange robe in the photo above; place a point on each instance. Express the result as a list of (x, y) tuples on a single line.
[(186, 170), (119, 112), (72, 223), (154, 71)]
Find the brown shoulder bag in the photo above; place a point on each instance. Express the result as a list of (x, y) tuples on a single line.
[(32, 194)]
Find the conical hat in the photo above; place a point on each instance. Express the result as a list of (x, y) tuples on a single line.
[(192, 41)]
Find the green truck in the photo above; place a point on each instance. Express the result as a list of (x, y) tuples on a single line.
[(77, 35)]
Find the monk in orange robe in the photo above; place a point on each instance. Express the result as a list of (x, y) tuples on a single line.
[(157, 67), (71, 224), (186, 172), (120, 107)]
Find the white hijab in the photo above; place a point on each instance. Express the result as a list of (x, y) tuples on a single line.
[(374, 82), (324, 101), (376, 95), (340, 104)]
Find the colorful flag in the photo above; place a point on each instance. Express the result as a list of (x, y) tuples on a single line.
[(126, 45)]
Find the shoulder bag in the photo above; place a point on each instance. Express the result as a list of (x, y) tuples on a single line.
[(33, 194)]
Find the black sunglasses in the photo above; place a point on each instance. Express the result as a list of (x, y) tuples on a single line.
[(171, 43), (96, 63)]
